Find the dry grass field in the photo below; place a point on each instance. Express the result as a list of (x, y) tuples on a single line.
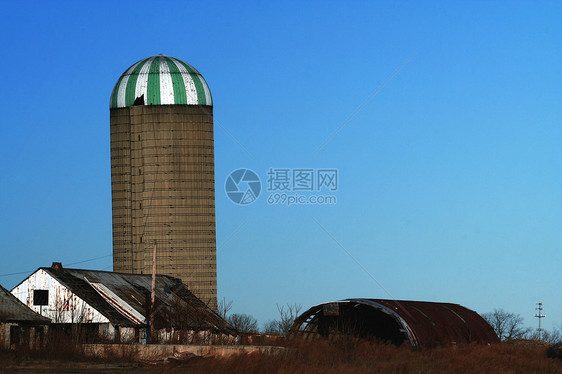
[(346, 356)]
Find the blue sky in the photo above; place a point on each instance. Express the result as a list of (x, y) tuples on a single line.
[(442, 118)]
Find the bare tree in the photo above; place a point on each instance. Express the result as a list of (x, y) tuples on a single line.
[(555, 335), (272, 328), (552, 336), (506, 325), (243, 322), (224, 307), (287, 315)]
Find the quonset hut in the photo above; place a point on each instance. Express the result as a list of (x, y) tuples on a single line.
[(419, 323), (162, 174)]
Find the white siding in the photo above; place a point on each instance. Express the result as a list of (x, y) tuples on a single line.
[(64, 306)]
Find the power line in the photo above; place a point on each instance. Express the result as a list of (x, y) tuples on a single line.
[(21, 272), (72, 263), (92, 259)]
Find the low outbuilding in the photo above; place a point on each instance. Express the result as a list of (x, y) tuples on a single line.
[(418, 323), (19, 325)]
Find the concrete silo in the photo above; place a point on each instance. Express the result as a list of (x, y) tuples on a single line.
[(162, 174)]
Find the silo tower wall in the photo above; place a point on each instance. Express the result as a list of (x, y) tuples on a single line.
[(163, 193)]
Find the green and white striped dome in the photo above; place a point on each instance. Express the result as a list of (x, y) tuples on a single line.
[(160, 80)]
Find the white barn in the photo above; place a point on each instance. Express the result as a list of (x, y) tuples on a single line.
[(114, 306)]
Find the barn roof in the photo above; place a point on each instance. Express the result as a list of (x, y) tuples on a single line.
[(420, 323), (13, 310), (124, 299)]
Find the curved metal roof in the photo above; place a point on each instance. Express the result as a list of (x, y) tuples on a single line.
[(419, 322), (160, 80)]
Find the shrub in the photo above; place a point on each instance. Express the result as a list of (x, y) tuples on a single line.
[(554, 351)]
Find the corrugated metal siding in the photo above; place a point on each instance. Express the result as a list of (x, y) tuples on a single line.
[(441, 323), (172, 296), (119, 303)]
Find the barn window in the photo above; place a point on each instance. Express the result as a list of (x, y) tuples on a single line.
[(40, 297)]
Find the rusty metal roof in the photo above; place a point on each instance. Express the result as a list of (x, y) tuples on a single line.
[(13, 310), (420, 323), (124, 299)]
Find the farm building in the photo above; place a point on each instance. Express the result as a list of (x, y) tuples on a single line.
[(419, 323), (162, 173), (19, 324), (116, 306)]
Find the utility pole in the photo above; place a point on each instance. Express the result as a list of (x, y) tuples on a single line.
[(153, 296), (539, 316)]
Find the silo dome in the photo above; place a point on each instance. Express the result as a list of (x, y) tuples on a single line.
[(160, 80)]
